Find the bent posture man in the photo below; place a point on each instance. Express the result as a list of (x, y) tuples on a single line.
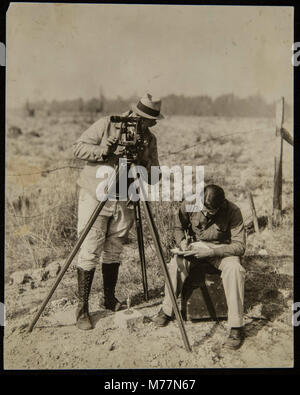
[(221, 224), (98, 145)]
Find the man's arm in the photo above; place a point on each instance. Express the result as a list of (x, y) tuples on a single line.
[(181, 225), (237, 245), (90, 145)]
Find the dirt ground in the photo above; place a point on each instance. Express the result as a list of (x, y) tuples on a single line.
[(56, 343)]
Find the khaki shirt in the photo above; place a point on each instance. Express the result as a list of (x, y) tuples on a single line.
[(226, 228), (92, 143)]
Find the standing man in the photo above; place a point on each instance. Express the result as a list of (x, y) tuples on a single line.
[(98, 146), (220, 223)]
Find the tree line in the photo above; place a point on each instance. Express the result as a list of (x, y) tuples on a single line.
[(225, 105)]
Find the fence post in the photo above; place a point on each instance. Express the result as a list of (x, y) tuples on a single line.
[(254, 216), (277, 194)]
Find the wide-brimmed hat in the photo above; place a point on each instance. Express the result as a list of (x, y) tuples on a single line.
[(148, 107)]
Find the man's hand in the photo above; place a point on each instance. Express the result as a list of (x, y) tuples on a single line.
[(183, 245), (201, 253), (111, 146), (119, 150)]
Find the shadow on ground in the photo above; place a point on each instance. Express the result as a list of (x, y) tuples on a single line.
[(139, 298), (267, 290)]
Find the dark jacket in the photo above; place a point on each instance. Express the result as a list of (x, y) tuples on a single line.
[(226, 228)]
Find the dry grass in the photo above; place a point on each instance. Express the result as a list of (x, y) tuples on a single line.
[(238, 162), (41, 217)]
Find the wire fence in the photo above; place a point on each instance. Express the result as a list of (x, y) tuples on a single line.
[(67, 206), (44, 171), (185, 148), (43, 213)]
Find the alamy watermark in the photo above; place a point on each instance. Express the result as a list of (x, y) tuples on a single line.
[(296, 315), (2, 314), (2, 54), (296, 55), (134, 185)]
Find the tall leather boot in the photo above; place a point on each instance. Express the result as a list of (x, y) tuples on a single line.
[(110, 273), (85, 279)]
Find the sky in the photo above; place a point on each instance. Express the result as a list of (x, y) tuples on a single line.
[(67, 51)]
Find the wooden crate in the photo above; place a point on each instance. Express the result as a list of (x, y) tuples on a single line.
[(203, 295)]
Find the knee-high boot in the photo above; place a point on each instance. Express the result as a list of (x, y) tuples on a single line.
[(85, 279), (110, 273)]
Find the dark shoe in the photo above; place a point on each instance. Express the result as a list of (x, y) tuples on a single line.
[(110, 273), (113, 304), (83, 319), (85, 279), (162, 319), (235, 338)]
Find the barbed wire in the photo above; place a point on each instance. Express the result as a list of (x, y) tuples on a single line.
[(44, 171), (185, 148), (161, 156), (214, 138), (67, 206), (41, 214)]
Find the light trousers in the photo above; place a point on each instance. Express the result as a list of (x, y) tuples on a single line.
[(233, 279), (104, 242)]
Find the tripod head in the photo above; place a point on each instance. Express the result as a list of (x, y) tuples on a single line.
[(132, 136)]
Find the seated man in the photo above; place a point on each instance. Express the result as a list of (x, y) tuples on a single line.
[(219, 223)]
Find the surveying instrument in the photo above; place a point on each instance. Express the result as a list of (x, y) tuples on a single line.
[(133, 141)]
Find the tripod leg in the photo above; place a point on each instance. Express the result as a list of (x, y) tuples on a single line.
[(158, 248), (155, 237), (140, 239), (72, 254)]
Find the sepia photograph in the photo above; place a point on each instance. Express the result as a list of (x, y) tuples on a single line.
[(149, 210)]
